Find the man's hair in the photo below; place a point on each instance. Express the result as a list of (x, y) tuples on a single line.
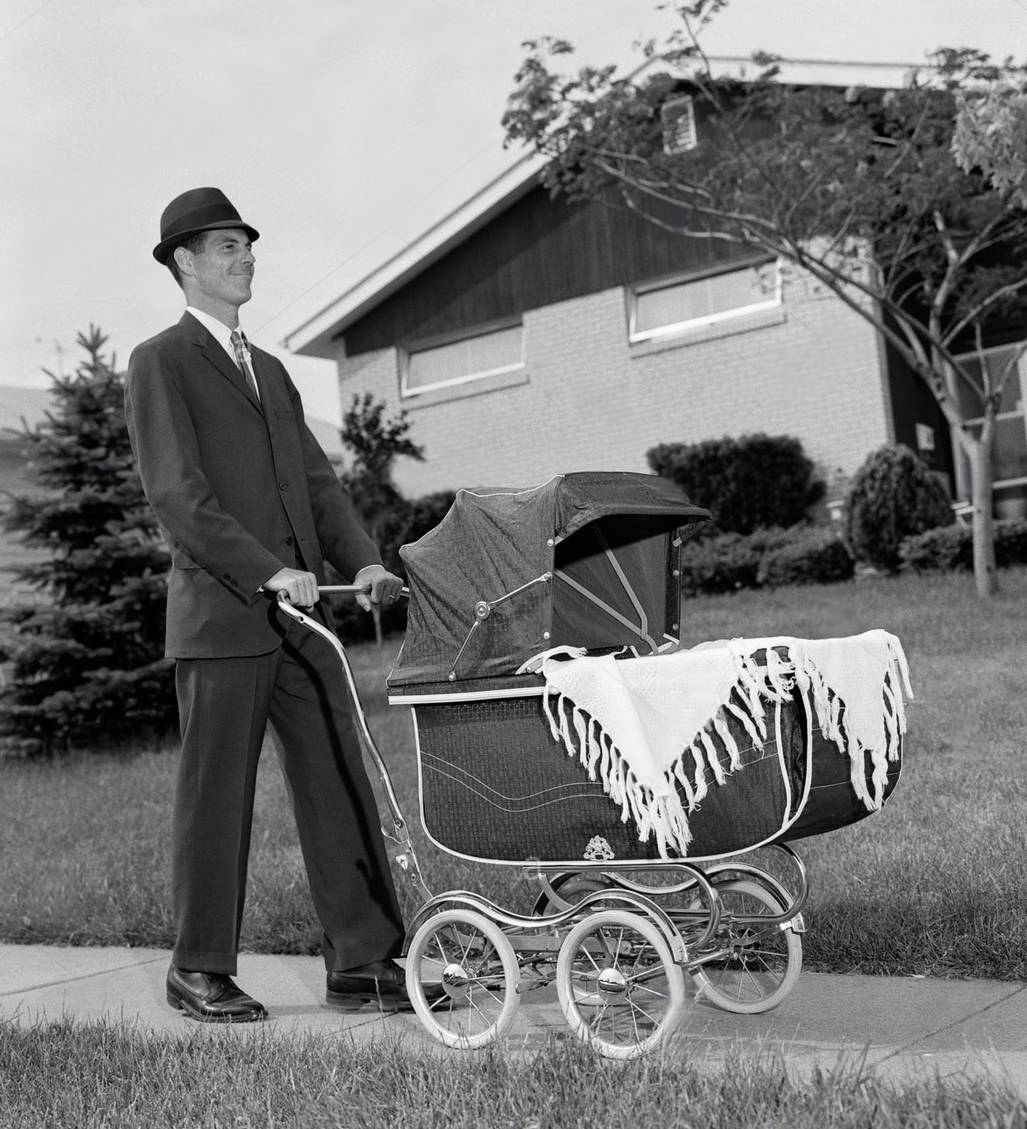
[(194, 243)]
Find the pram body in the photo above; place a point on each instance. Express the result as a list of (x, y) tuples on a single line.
[(589, 562)]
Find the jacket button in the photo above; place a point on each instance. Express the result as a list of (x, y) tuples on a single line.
[(289, 541), (282, 485)]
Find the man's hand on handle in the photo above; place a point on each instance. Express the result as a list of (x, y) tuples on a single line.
[(381, 586), (300, 587)]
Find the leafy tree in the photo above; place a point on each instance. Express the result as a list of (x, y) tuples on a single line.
[(859, 189), (85, 665), (376, 443)]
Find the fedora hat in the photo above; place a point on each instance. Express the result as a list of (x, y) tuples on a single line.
[(199, 209)]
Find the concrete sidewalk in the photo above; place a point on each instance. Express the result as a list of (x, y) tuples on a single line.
[(898, 1027)]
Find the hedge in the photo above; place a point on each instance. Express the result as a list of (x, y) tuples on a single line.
[(727, 562), (950, 547)]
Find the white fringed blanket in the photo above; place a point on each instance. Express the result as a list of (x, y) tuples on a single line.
[(645, 726)]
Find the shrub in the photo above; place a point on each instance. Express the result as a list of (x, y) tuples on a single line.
[(722, 563), (804, 554), (425, 513), (755, 481), (950, 547), (892, 496), (813, 556)]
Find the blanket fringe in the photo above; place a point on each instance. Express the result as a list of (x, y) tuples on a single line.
[(784, 669)]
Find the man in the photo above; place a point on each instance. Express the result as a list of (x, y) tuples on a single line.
[(251, 508)]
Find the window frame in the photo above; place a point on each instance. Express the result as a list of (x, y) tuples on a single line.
[(426, 344), (692, 325)]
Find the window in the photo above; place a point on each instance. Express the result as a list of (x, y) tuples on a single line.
[(688, 304), (438, 364), (677, 117), (1010, 460)]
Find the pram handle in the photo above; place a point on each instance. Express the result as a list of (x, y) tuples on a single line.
[(352, 589)]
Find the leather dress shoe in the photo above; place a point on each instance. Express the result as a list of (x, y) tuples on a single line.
[(211, 997), (381, 982)]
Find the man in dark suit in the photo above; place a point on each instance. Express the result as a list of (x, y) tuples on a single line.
[(250, 508)]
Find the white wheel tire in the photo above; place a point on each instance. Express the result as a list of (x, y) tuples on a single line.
[(475, 1011), (568, 971), (761, 983)]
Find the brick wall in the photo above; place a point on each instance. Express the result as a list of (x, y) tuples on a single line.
[(589, 400)]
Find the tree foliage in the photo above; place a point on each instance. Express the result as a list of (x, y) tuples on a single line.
[(85, 663), (375, 443), (857, 188)]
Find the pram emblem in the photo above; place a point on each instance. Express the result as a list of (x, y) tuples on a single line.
[(598, 849)]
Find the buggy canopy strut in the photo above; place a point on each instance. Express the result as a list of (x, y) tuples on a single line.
[(586, 559)]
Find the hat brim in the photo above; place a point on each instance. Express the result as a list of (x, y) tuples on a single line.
[(163, 250)]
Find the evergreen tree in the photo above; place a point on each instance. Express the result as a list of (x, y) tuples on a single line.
[(85, 664)]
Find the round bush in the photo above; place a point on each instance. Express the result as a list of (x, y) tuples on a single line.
[(892, 496)]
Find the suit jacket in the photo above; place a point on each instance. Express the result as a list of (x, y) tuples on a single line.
[(241, 489)]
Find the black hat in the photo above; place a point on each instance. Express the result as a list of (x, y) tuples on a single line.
[(199, 209)]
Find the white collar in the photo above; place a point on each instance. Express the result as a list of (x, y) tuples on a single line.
[(218, 330)]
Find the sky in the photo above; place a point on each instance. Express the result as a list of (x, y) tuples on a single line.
[(340, 129)]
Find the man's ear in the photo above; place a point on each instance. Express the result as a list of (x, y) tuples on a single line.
[(183, 260)]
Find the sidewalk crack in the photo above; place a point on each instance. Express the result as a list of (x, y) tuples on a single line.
[(83, 976), (904, 1049)]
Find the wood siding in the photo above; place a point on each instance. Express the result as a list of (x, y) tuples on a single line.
[(537, 252)]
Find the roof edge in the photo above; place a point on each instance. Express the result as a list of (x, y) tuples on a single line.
[(315, 336)]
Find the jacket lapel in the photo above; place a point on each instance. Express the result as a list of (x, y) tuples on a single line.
[(217, 357)]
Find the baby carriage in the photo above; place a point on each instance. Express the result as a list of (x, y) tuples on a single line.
[(561, 729)]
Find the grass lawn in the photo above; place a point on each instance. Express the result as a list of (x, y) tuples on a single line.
[(104, 1076), (931, 885)]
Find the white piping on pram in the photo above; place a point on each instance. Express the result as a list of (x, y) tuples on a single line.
[(641, 729)]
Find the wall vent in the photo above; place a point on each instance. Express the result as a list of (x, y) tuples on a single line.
[(677, 117)]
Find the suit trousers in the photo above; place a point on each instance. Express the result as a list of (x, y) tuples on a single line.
[(225, 705)]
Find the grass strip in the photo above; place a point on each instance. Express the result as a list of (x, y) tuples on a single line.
[(60, 1074)]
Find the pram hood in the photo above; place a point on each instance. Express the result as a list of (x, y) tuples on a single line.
[(586, 559)]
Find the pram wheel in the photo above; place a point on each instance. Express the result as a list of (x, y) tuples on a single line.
[(476, 965), (758, 965), (619, 987)]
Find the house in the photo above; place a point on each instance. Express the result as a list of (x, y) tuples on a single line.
[(526, 336)]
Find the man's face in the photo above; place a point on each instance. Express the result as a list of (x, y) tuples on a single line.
[(223, 270)]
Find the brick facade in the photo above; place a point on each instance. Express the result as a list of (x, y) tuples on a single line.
[(589, 400)]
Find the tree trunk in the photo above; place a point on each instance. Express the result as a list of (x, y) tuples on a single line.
[(983, 524)]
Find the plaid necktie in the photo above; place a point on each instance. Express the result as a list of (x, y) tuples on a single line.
[(242, 359)]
